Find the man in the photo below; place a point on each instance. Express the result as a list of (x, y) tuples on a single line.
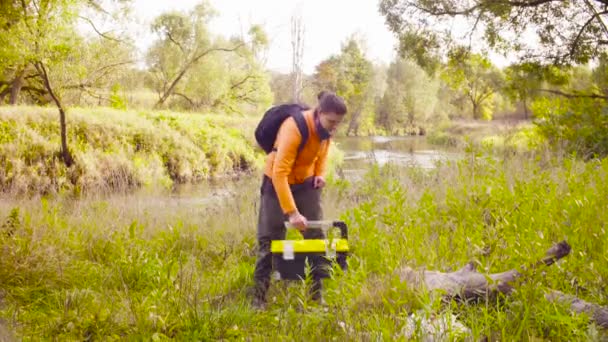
[(291, 188)]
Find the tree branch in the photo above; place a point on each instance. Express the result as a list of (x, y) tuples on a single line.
[(571, 96), (192, 103), (45, 78), (101, 34), (186, 67), (598, 15), (181, 48), (241, 82), (580, 32), (479, 5)]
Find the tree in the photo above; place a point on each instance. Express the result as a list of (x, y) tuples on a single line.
[(409, 99), (565, 32), (349, 74), (522, 82), (477, 79), (600, 74), (40, 37), (297, 51), (186, 69), (184, 42), (11, 64), (244, 84)]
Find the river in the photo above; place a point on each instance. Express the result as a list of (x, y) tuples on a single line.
[(361, 152)]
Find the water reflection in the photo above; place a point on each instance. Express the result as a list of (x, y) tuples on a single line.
[(360, 152)]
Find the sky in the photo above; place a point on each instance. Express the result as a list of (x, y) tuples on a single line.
[(328, 23)]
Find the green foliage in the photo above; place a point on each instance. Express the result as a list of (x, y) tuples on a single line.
[(410, 99), (563, 33), (134, 268), (476, 78), (117, 100), (193, 69), (579, 125), (349, 74), (521, 81), (118, 150)]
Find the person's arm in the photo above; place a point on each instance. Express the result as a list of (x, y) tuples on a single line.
[(287, 143)]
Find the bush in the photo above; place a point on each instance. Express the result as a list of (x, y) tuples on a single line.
[(577, 125)]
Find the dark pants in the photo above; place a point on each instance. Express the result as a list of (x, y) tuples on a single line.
[(271, 226)]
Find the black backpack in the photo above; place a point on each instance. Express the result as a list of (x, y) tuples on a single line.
[(268, 128)]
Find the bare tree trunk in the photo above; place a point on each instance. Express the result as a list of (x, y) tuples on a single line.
[(297, 46), (65, 152), (475, 111), (3, 93), (16, 87)]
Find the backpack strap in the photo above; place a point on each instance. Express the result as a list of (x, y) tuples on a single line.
[(302, 126)]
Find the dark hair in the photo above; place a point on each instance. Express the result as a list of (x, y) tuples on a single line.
[(330, 103)]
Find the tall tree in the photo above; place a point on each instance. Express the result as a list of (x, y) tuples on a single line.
[(349, 74), (42, 35), (522, 81), (41, 38), (562, 32), (409, 99), (187, 71), (297, 56), (184, 42), (476, 77)]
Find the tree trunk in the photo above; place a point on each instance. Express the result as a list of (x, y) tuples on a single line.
[(297, 46), (65, 152), (475, 111), (3, 93), (169, 91), (353, 124), (525, 109), (16, 87)]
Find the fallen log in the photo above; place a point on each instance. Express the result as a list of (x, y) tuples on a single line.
[(596, 313), (468, 284)]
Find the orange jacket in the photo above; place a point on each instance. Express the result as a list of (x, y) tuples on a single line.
[(286, 166)]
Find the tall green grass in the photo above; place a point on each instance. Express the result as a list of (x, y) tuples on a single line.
[(120, 150), (146, 268)]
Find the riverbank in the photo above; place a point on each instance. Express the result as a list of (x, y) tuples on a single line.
[(517, 135), (120, 150)]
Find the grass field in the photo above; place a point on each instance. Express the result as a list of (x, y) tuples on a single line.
[(122, 267)]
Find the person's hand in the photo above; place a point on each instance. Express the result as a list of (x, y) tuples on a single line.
[(318, 182), (297, 220)]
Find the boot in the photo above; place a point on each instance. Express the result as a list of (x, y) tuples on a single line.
[(259, 296)]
